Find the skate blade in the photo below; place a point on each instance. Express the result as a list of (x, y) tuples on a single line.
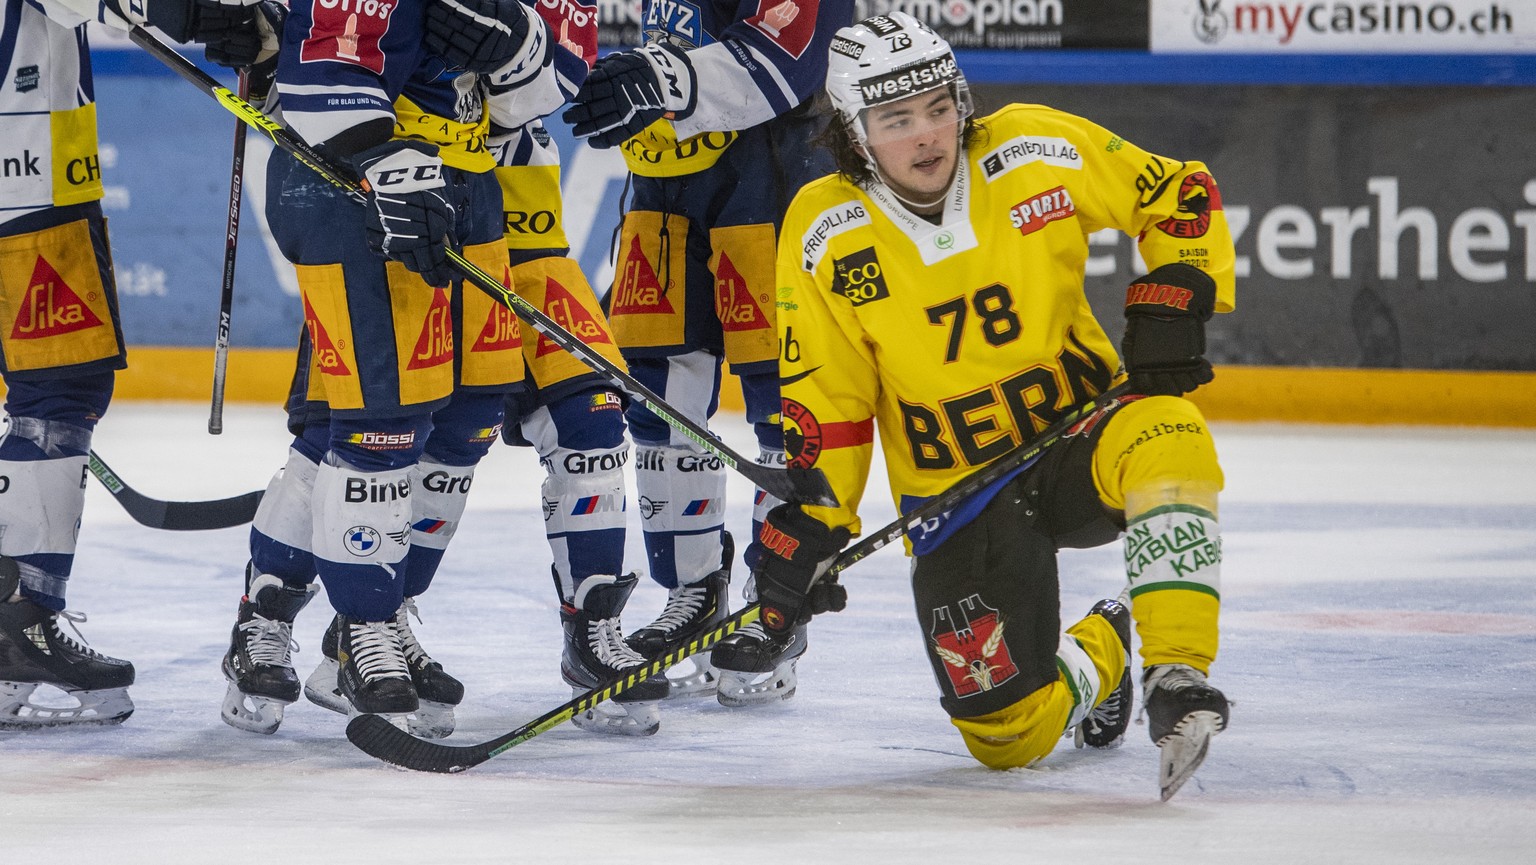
[(736, 689), (251, 713), (18, 711), (1183, 750), (431, 720), (619, 719), (321, 688), (685, 681)]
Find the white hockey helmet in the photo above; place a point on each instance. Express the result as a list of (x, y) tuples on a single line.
[(886, 58)]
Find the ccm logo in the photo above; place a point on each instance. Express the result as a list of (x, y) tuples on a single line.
[(414, 174)]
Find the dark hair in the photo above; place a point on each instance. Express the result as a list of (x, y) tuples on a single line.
[(851, 163)]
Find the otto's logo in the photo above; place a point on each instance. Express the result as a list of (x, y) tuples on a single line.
[(975, 657), (1198, 197), (1033, 214), (51, 307), (638, 291), (859, 278), (348, 31)]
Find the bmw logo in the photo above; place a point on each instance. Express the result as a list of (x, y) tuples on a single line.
[(361, 541)]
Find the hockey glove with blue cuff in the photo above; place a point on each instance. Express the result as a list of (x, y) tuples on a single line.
[(797, 549), (1164, 344), (629, 90), (476, 35), (409, 219)]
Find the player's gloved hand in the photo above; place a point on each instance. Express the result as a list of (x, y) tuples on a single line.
[(409, 219), (476, 35), (796, 551), (1165, 316), (233, 32), (629, 90)]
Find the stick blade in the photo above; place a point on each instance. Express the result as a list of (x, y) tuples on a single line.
[(376, 737), (801, 486), (202, 516)]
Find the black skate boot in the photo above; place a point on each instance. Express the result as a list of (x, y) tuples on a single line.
[(756, 666), (595, 653), (691, 610), (35, 651), (258, 664), (1105, 725), (438, 691), (1183, 713), (374, 677)]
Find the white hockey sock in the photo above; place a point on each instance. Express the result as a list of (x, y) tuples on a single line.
[(681, 492)]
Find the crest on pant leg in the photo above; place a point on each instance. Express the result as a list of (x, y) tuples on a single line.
[(975, 656)]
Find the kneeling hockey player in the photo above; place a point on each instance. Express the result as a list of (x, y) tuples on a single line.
[(936, 289)]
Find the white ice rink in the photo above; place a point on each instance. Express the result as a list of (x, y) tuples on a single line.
[(1379, 642)]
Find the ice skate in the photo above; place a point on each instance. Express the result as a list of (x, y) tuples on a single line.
[(34, 651), (756, 667), (437, 691), (595, 653), (364, 672), (1105, 725), (1183, 713), (258, 664), (321, 687), (690, 611)]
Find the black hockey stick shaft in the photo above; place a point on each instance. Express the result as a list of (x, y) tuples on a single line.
[(231, 252), (176, 516), (379, 738), (809, 486)]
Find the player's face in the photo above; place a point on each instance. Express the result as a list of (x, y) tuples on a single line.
[(916, 143)]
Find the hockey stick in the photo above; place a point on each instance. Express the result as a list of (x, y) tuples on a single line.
[(376, 736), (231, 252), (176, 516), (794, 485)]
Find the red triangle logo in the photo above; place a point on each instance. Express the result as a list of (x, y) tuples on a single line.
[(51, 307), (567, 311), (435, 344), (501, 329), (639, 291), (325, 351), (733, 299)]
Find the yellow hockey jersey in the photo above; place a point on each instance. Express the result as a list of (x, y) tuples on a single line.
[(963, 338)]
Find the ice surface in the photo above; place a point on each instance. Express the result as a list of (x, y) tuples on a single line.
[(1379, 639)]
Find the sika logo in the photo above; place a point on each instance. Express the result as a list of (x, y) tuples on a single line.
[(51, 307), (734, 303), (639, 291), (434, 345), (327, 354), (569, 313)]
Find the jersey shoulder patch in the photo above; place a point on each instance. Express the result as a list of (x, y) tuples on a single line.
[(789, 24)]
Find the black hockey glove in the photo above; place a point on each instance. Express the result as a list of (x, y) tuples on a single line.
[(1165, 316), (796, 550), (233, 33), (629, 90), (476, 35), (409, 220)]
